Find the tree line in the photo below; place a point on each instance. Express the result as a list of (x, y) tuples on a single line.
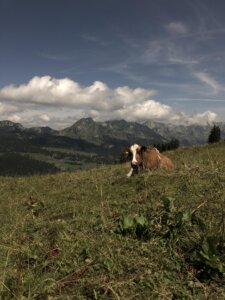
[(171, 145), (215, 135)]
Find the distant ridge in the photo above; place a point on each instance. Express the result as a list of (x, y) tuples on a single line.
[(10, 126), (120, 132), (109, 131), (85, 144)]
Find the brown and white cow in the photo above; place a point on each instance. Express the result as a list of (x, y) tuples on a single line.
[(146, 158)]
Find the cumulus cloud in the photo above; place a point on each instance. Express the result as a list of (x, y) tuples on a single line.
[(59, 101), (198, 118), (148, 110), (203, 118), (45, 117)]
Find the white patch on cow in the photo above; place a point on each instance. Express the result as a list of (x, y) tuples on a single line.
[(130, 173), (156, 150), (158, 153), (133, 150)]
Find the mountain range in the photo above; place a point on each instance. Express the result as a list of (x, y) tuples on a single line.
[(86, 143)]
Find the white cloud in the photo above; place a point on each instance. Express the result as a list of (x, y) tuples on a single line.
[(147, 110), (177, 28), (201, 118), (205, 117), (15, 118), (45, 117), (66, 92), (212, 83), (63, 101), (182, 61), (7, 108)]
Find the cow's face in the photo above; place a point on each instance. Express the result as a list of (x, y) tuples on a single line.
[(136, 152), (136, 155)]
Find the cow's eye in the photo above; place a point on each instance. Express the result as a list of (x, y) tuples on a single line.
[(127, 153)]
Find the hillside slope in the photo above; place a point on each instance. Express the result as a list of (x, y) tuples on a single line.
[(98, 235)]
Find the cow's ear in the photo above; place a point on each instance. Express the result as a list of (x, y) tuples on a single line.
[(126, 152), (143, 149)]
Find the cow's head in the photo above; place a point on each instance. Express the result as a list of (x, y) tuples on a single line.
[(137, 154)]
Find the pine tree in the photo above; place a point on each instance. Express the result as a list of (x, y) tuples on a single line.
[(214, 135), (174, 144)]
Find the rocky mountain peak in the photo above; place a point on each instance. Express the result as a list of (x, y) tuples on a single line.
[(11, 126)]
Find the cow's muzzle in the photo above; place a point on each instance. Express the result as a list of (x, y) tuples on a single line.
[(134, 165), (135, 168)]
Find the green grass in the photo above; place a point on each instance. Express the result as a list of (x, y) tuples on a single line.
[(96, 234)]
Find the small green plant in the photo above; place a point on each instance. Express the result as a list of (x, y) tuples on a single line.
[(136, 226), (168, 204), (208, 259), (141, 229), (126, 225), (172, 219)]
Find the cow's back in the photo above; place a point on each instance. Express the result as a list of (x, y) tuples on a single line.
[(165, 162), (151, 159)]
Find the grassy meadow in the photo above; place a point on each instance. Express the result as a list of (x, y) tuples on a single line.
[(96, 234)]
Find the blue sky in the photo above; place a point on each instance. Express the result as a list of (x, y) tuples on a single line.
[(162, 60)]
